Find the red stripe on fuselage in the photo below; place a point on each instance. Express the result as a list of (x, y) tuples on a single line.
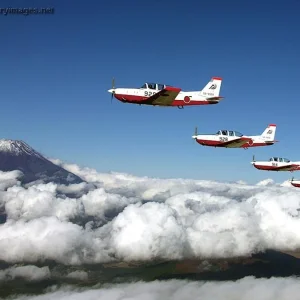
[(129, 98), (139, 100), (266, 168), (210, 143), (274, 168), (295, 184), (222, 144)]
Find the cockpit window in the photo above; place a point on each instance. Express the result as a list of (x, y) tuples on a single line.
[(229, 132), (286, 160), (238, 134), (160, 87), (152, 86)]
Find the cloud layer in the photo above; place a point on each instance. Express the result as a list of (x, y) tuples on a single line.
[(245, 289), (122, 217)]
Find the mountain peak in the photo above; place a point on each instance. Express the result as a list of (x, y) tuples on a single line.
[(18, 155), (17, 147)]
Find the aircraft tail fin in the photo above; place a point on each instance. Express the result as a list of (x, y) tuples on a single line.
[(269, 133), (212, 89)]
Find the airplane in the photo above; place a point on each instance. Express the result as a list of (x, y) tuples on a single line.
[(166, 95), (295, 183), (276, 164), (235, 139)]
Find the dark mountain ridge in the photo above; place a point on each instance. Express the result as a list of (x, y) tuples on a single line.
[(17, 155)]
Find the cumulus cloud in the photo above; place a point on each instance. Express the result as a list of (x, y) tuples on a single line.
[(28, 273), (286, 183), (77, 189), (266, 182), (122, 217), (8, 179), (244, 289), (78, 274)]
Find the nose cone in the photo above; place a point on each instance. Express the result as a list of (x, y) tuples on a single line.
[(194, 136), (111, 91)]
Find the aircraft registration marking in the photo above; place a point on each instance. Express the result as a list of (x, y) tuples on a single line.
[(148, 94), (223, 139)]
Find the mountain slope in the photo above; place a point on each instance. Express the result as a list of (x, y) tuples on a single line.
[(17, 155)]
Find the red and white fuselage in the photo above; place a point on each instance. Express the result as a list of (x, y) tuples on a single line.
[(295, 183), (235, 139), (277, 164), (164, 95)]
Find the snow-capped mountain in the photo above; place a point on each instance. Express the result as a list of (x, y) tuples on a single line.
[(17, 155)]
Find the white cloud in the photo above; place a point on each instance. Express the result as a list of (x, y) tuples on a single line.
[(266, 182), (286, 183), (49, 238), (79, 275), (241, 182), (247, 288), (133, 238), (28, 273), (78, 188), (124, 217), (8, 179)]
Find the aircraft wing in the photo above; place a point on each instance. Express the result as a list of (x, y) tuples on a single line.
[(286, 168), (163, 97), (237, 142)]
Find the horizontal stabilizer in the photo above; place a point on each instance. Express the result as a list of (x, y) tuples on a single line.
[(215, 98), (271, 142)]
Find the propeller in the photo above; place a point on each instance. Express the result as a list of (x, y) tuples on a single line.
[(253, 158), (292, 179), (196, 133), (113, 89)]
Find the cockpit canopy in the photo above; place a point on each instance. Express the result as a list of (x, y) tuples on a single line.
[(153, 86), (229, 133), (279, 159)]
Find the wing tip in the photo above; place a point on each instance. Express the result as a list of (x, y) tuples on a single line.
[(173, 89)]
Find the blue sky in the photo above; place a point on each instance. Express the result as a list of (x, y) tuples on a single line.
[(56, 70)]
